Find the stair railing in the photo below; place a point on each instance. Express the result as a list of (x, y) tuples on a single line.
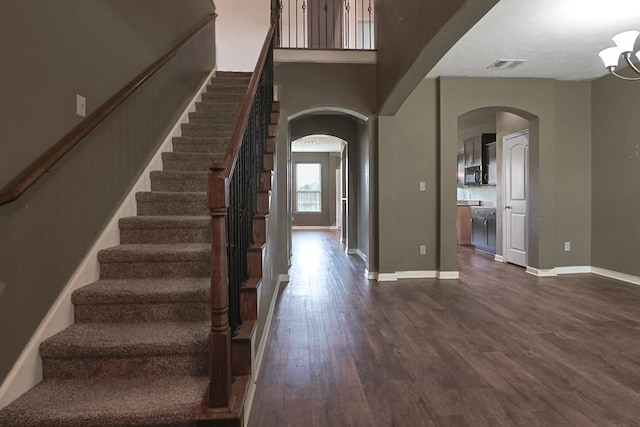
[(33, 172), (232, 194), (325, 24)]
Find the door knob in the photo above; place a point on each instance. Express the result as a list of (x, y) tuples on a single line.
[(507, 207)]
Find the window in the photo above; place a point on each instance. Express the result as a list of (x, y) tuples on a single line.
[(308, 187)]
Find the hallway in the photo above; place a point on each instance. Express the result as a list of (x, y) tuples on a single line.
[(498, 347)]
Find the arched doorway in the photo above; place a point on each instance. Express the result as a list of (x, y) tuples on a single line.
[(485, 217), (353, 166)]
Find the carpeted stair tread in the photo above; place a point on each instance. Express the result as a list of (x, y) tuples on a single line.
[(190, 161), (200, 145), (104, 402), (127, 339), (193, 196), (167, 221), (156, 253), (136, 291), (179, 181), (173, 202)]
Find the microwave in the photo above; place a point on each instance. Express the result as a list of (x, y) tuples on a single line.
[(473, 175)]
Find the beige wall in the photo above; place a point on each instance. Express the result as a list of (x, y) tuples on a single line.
[(407, 155), (616, 175)]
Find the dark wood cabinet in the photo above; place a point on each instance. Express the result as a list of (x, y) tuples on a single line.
[(483, 229), (473, 148)]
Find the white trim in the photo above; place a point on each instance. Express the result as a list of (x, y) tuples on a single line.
[(361, 255), (426, 274), (370, 275), (498, 258), (394, 277), (578, 269), (314, 227), (635, 280), (351, 251), (325, 56), (261, 349), (541, 272), (27, 371), (448, 275)]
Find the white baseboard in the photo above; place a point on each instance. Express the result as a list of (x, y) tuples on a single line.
[(314, 227), (361, 255), (579, 269), (541, 272), (351, 251), (370, 275), (27, 371), (261, 349), (394, 277), (498, 258), (448, 275), (629, 278)]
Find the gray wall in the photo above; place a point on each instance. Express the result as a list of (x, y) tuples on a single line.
[(412, 36), (327, 89), (407, 148), (56, 50), (616, 175), (559, 113), (418, 144), (329, 163)]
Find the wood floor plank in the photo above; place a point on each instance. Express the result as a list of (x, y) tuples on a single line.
[(498, 347)]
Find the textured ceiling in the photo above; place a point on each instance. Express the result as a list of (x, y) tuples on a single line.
[(560, 39)]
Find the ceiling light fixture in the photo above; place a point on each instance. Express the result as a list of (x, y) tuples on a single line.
[(625, 43)]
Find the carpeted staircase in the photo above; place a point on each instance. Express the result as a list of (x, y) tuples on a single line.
[(137, 354)]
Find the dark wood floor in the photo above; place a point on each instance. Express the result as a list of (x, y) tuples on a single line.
[(497, 348)]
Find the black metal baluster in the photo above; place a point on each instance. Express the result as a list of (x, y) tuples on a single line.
[(326, 25), (297, 23), (304, 23), (289, 9), (348, 25), (281, 7), (370, 26)]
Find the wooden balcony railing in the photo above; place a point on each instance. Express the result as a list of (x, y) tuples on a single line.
[(232, 199)]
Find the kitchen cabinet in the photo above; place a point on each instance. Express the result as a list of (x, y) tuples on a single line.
[(463, 224), (473, 148), (483, 229)]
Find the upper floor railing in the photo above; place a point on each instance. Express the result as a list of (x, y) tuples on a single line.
[(325, 24)]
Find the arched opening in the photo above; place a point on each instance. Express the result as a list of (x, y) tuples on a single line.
[(333, 145), (497, 172)]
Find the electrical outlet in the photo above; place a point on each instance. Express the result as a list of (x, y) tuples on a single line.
[(423, 249), (81, 106), (423, 186), (567, 246)]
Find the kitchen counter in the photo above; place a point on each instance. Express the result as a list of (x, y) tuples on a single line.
[(468, 202)]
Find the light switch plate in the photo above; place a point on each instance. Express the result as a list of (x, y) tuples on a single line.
[(81, 106), (423, 186)]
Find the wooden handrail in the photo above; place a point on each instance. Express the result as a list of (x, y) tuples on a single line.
[(231, 155), (25, 179)]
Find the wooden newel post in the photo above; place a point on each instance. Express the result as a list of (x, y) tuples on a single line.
[(220, 334)]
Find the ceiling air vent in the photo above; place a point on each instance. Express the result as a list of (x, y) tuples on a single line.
[(506, 64)]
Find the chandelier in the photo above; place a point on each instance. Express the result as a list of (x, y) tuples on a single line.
[(625, 43)]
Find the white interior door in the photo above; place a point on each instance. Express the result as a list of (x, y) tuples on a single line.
[(339, 197), (515, 150)]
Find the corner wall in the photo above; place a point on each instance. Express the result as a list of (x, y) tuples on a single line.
[(616, 175), (46, 233)]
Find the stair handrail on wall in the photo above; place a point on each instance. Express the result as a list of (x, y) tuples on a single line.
[(232, 197), (34, 171)]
